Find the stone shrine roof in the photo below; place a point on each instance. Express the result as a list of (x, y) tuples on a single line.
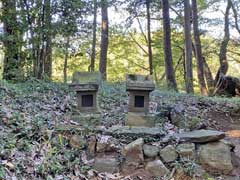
[(85, 81), (139, 82)]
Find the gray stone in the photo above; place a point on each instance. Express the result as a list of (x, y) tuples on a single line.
[(140, 119), (107, 164), (186, 151), (106, 144), (128, 131), (168, 154), (139, 82), (150, 151), (157, 168), (201, 136), (216, 158), (133, 152)]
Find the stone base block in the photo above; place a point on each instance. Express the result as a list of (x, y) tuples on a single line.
[(87, 119), (140, 119)]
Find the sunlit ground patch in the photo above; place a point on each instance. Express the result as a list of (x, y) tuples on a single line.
[(233, 133)]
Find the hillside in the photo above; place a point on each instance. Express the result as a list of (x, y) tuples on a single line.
[(39, 126)]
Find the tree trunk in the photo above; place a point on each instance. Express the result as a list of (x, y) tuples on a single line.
[(12, 64), (104, 40), (223, 48), (66, 60), (150, 59), (170, 75), (93, 55), (48, 40), (198, 50), (188, 47)]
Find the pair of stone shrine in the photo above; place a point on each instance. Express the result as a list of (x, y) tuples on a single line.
[(86, 85)]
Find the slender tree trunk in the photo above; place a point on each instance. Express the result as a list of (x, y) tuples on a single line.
[(66, 59), (223, 48), (104, 40), (48, 40), (198, 50), (12, 64), (93, 55), (150, 58), (209, 77), (170, 75), (188, 47)]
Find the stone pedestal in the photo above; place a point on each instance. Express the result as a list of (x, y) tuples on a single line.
[(86, 85), (140, 119), (139, 88)]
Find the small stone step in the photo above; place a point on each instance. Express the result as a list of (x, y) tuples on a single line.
[(200, 136)]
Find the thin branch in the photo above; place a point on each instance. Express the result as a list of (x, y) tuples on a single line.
[(139, 45)]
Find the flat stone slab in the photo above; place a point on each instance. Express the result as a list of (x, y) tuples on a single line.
[(107, 164), (135, 131), (201, 136)]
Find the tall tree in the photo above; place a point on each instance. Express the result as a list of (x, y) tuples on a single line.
[(150, 57), (223, 47), (67, 44), (11, 41), (93, 54), (198, 49), (188, 47), (47, 58), (104, 40), (169, 71)]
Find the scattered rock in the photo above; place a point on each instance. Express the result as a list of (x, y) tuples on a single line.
[(168, 154), (77, 141), (150, 151), (128, 131), (92, 142), (133, 152), (216, 157), (201, 136), (157, 168), (107, 164), (186, 151), (106, 144)]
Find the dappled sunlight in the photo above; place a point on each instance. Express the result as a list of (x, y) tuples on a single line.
[(233, 133)]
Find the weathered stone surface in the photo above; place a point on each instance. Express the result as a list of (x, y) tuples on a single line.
[(140, 119), (77, 141), (133, 152), (106, 144), (216, 157), (201, 136), (139, 82), (150, 151), (85, 77), (157, 168), (106, 164), (135, 131), (186, 151), (168, 154)]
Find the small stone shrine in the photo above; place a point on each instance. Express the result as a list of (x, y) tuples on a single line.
[(86, 85), (139, 88)]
